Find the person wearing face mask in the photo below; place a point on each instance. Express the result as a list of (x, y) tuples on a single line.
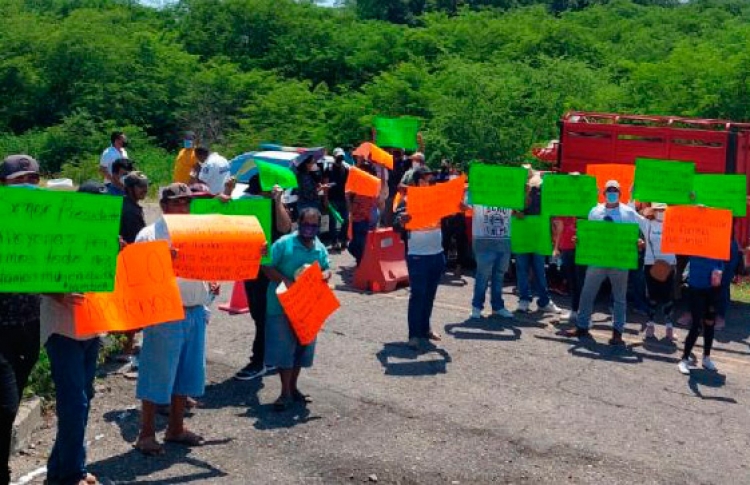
[(114, 152), (659, 271), (335, 178), (185, 160), (365, 212), (19, 325), (120, 169), (614, 211), (289, 255), (417, 161), (309, 184)]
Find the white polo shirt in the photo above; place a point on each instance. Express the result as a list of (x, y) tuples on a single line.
[(109, 156)]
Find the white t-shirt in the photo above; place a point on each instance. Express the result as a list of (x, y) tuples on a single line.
[(653, 232), (622, 213), (490, 222), (110, 155), (215, 172), (193, 292), (426, 243)]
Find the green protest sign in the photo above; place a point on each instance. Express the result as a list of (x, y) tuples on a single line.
[(568, 195), (498, 186), (530, 234), (58, 242), (258, 207), (396, 132), (607, 244), (272, 174), (722, 192), (667, 181)]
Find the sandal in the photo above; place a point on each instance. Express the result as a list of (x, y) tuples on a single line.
[(434, 336), (149, 447), (281, 404), (186, 438), (297, 396)]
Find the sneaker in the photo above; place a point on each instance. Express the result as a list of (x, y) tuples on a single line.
[(670, 333), (551, 308), (708, 364), (650, 330), (523, 306), (476, 313), (250, 372), (684, 367), (616, 338), (502, 313)]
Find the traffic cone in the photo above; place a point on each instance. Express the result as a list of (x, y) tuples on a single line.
[(237, 304)]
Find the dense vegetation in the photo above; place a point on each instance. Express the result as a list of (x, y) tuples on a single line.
[(489, 78)]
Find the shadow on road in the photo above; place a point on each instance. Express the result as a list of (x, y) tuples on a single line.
[(498, 329), (591, 349), (398, 359), (701, 377)]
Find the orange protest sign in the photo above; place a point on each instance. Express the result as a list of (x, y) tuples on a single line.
[(428, 205), (362, 183), (308, 303), (216, 247), (363, 150), (145, 293), (378, 155), (697, 231), (624, 174)]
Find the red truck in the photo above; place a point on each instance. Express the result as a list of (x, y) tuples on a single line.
[(716, 146)]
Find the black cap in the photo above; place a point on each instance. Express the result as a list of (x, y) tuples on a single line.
[(18, 165), (135, 179), (93, 187), (420, 173)]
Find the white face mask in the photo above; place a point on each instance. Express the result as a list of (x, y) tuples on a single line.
[(659, 216)]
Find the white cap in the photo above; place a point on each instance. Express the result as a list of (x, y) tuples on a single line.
[(338, 152), (418, 155), (612, 183)]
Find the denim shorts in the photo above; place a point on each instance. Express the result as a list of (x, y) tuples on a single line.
[(173, 359), (283, 350)]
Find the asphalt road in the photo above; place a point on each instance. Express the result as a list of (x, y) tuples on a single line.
[(500, 401)]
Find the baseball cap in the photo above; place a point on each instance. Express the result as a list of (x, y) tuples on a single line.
[(338, 152), (612, 184), (135, 179), (175, 191), (417, 155), (659, 205), (198, 190), (420, 173), (17, 166), (93, 187)]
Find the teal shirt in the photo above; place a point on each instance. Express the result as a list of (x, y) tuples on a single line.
[(288, 254)]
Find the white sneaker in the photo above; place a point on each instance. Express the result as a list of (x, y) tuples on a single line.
[(476, 313), (523, 306), (708, 364), (684, 367), (502, 313), (551, 308)]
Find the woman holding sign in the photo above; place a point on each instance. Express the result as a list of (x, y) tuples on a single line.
[(289, 255)]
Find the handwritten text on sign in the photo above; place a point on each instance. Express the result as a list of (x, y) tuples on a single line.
[(58, 242), (722, 192), (697, 231), (216, 247), (145, 293), (428, 205), (666, 181), (308, 303), (568, 195), (607, 244)]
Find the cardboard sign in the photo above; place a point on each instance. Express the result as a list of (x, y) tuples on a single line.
[(271, 174), (568, 195), (624, 174), (382, 157), (216, 247), (428, 205), (308, 303), (58, 242), (363, 150), (362, 183), (145, 293), (697, 231), (722, 192), (531, 234), (258, 207), (607, 244), (665, 181), (397, 132), (498, 186)]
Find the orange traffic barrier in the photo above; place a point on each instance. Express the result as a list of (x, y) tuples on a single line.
[(237, 303), (383, 266)]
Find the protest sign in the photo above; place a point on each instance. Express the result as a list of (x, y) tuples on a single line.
[(397, 132), (145, 293), (428, 205), (362, 183), (667, 181), (216, 247), (258, 207), (568, 195), (498, 186), (308, 303), (607, 244), (363, 150), (271, 174), (722, 192), (697, 231), (382, 157), (624, 174), (58, 242), (530, 234)]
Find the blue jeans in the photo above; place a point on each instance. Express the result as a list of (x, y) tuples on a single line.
[(340, 234), (492, 257), (73, 364), (618, 278), (425, 273), (536, 263), (359, 239)]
